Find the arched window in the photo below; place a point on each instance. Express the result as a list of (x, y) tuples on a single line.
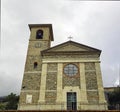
[(39, 34), (35, 65)]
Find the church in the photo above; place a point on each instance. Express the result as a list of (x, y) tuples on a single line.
[(64, 77)]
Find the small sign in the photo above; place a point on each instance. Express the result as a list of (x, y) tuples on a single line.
[(28, 98)]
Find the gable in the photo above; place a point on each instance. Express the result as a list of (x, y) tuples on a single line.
[(68, 47), (71, 46)]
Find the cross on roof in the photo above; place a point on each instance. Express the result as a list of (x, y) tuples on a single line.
[(70, 37)]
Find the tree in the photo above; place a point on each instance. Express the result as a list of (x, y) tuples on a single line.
[(2, 106), (12, 101), (114, 98)]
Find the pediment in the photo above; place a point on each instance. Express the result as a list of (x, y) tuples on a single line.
[(71, 46)]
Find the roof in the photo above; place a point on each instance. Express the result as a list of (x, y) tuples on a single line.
[(71, 47)]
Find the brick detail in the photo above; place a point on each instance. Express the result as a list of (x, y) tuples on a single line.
[(52, 67), (91, 81), (31, 59), (51, 81), (35, 96), (31, 81), (90, 75), (92, 97), (71, 81), (50, 97), (89, 66)]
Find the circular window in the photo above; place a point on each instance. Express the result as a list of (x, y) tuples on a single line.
[(70, 70)]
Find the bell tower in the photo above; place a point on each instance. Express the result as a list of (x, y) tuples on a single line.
[(40, 39), (41, 36)]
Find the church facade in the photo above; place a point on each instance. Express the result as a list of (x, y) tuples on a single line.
[(63, 77)]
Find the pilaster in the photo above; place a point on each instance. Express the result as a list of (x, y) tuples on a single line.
[(83, 83), (99, 83), (43, 84), (59, 83)]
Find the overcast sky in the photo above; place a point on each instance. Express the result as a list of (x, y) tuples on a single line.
[(93, 23)]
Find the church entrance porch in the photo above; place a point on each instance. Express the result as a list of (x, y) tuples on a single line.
[(71, 101)]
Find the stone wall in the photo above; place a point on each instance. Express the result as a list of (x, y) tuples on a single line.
[(71, 81), (31, 59), (31, 81), (30, 86), (52, 67), (50, 97), (90, 75), (91, 83), (51, 83), (51, 78), (23, 94), (92, 97)]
